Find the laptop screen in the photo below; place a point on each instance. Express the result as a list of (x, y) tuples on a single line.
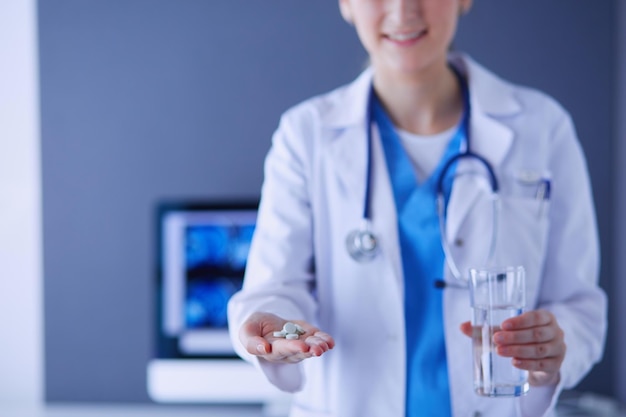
[(201, 256)]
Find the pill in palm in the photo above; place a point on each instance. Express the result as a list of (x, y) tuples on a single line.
[(290, 331), (289, 327)]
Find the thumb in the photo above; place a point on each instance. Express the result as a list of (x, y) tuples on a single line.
[(251, 333), (466, 328), (257, 345)]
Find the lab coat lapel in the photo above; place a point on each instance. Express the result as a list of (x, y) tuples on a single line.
[(492, 141), (490, 138), (348, 157), (344, 126), (348, 153)]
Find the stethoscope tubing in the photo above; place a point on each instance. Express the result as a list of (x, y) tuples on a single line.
[(362, 244)]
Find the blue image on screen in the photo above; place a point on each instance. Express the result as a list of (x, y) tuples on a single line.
[(206, 245), (207, 302), (240, 247), (215, 258)]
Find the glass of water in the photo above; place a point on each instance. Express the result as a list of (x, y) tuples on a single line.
[(496, 294)]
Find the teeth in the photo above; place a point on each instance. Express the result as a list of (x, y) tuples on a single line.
[(405, 36)]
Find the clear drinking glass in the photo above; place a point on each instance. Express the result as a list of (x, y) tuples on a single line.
[(496, 294)]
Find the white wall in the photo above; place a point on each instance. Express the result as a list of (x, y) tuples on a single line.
[(20, 207), (619, 317)]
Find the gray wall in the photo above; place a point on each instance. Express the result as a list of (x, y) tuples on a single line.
[(146, 99), (151, 99)]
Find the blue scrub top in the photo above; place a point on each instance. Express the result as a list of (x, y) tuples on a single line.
[(427, 390)]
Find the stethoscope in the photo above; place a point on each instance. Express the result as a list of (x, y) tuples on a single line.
[(363, 244)]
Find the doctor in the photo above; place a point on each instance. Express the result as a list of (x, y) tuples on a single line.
[(381, 339)]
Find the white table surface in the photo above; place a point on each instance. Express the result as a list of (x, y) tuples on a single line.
[(588, 405), (61, 410)]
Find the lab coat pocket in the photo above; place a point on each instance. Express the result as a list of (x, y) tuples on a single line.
[(522, 238), (519, 232)]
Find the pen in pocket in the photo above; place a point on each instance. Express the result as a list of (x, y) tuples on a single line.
[(543, 194), (543, 190)]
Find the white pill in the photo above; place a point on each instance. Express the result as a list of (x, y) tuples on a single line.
[(292, 336), (279, 334), (289, 327), (299, 329)]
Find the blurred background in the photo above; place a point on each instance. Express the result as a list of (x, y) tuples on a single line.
[(109, 106)]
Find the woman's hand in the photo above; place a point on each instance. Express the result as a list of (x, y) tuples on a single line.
[(535, 342), (257, 336)]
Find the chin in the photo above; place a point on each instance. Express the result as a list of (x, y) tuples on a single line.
[(407, 69), (412, 65)]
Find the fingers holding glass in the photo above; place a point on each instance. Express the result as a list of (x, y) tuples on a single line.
[(535, 342)]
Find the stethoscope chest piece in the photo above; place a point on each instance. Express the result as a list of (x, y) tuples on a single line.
[(362, 244)]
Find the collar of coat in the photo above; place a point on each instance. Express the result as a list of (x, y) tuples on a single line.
[(491, 98), (489, 94)]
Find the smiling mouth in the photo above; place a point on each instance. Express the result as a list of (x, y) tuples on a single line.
[(408, 36)]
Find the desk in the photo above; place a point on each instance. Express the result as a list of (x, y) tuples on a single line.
[(131, 411), (583, 406)]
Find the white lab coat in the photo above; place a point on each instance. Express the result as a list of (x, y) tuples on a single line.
[(313, 196)]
